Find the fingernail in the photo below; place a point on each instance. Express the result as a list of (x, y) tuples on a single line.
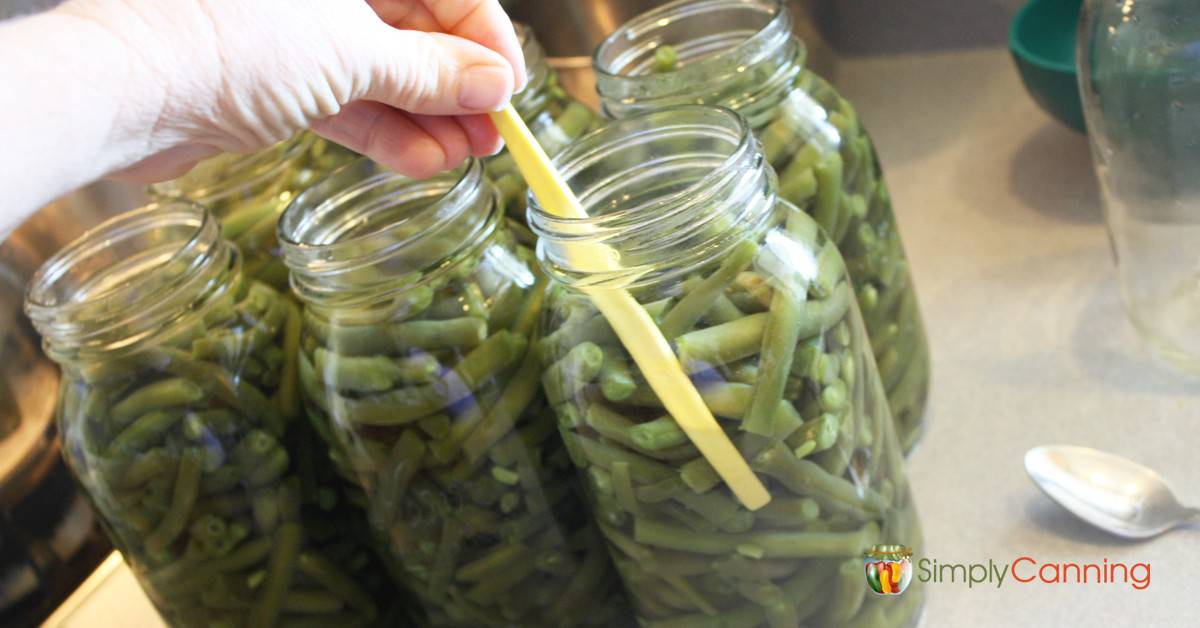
[(484, 88)]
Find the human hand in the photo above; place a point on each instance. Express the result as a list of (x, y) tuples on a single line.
[(405, 82)]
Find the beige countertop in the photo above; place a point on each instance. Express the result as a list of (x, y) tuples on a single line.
[(999, 210), (1000, 214)]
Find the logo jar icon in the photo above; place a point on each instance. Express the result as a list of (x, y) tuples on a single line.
[(889, 568)]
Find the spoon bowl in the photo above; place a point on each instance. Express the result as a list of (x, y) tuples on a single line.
[(1112, 493)]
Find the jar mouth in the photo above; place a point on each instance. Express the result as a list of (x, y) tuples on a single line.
[(365, 229), (233, 174), (147, 264), (715, 41), (677, 181)]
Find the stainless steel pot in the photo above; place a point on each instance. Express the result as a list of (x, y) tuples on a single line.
[(49, 541)]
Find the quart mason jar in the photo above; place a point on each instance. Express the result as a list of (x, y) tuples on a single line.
[(555, 119), (742, 54), (755, 301), (248, 192), (1137, 68), (176, 416), (417, 366)]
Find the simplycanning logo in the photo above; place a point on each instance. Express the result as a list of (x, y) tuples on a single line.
[(889, 570)]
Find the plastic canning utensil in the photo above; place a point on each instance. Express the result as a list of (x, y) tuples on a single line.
[(637, 331)]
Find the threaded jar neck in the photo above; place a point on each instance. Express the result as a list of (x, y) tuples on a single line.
[(665, 192), (230, 175), (364, 234), (533, 99), (739, 54), (131, 278)]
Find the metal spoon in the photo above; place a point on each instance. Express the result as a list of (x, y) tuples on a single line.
[(1110, 492)]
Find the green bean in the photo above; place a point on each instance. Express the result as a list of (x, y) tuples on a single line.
[(288, 394), (311, 602), (398, 338), (692, 307), (848, 593), (152, 463), (502, 416), (187, 489), (724, 344), (360, 374), (809, 479), (566, 378), (772, 544), (280, 569), (165, 393), (330, 576), (147, 429), (406, 405), (616, 380), (665, 58), (778, 348)]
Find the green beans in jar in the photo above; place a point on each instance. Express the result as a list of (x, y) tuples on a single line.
[(418, 368), (742, 55), (755, 300), (248, 192), (176, 416)]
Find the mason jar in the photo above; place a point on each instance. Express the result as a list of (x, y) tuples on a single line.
[(555, 119), (248, 192), (742, 54), (755, 301), (177, 415), (1136, 62), (417, 364)]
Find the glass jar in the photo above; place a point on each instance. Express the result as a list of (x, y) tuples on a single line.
[(742, 54), (176, 416), (754, 299), (248, 192), (420, 310), (555, 119), (1136, 63)]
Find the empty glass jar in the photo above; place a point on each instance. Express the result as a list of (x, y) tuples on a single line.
[(742, 54), (1137, 63), (755, 300)]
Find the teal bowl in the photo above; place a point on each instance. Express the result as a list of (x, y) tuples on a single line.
[(1042, 41)]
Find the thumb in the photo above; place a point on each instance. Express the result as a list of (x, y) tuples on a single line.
[(434, 73)]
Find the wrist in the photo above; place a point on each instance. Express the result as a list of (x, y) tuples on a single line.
[(116, 83)]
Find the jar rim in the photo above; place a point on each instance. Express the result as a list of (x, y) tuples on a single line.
[(337, 227), (252, 169), (72, 304), (670, 12), (712, 194), (614, 136)]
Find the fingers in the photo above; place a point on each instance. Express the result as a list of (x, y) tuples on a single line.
[(482, 134), (481, 21), (415, 146), (433, 73)]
